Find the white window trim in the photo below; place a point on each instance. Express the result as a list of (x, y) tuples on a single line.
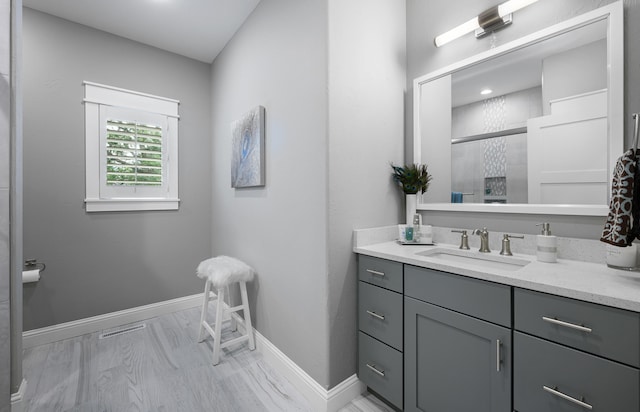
[(97, 95)]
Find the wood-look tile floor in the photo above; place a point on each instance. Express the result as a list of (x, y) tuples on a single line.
[(160, 368)]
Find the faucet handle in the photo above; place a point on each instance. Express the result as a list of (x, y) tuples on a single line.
[(464, 239), (506, 244)]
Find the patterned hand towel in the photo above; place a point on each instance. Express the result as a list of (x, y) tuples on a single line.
[(618, 229)]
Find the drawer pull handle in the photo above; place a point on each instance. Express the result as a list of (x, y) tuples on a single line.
[(498, 362), (375, 272), (559, 394), (567, 324), (375, 315), (376, 370)]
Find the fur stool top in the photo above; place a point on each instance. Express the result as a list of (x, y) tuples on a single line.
[(224, 270)]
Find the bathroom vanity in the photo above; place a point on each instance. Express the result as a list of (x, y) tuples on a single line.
[(451, 335), (440, 329)]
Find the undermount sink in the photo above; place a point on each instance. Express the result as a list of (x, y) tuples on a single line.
[(481, 260)]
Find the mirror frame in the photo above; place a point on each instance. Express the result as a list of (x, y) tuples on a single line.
[(614, 13)]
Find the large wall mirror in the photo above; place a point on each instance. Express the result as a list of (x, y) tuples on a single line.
[(533, 126)]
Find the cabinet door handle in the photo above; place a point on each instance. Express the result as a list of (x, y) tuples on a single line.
[(376, 370), (498, 345), (559, 394), (375, 272), (375, 315), (567, 324)]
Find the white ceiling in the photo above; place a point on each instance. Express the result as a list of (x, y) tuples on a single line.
[(198, 29)]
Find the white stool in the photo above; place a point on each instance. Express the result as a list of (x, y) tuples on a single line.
[(220, 272)]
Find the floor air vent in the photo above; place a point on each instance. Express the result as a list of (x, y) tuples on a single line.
[(122, 331)]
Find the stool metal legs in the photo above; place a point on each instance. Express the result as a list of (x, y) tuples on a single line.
[(215, 330)]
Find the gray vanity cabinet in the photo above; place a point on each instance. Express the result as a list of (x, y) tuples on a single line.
[(433, 341), (456, 362), (571, 355), (380, 335), (553, 377)]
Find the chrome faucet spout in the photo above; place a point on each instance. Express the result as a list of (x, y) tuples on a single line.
[(484, 239)]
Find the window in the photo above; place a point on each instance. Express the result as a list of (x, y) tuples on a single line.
[(131, 150)]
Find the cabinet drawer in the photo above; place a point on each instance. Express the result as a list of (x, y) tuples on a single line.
[(474, 297), (546, 374), (610, 332), (380, 368), (380, 314), (380, 272)]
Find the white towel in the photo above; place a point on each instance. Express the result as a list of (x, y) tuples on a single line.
[(224, 270)]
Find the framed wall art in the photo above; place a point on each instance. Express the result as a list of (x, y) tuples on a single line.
[(247, 156)]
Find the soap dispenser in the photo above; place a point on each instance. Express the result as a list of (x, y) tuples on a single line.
[(417, 224), (546, 245)]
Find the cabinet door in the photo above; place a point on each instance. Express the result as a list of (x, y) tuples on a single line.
[(453, 362)]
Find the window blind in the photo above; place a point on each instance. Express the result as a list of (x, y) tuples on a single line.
[(134, 154)]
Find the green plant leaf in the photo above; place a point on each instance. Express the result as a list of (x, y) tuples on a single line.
[(411, 178)]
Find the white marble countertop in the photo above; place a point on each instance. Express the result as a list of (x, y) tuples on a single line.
[(591, 282)]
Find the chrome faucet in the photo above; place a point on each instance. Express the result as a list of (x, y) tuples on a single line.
[(484, 239)]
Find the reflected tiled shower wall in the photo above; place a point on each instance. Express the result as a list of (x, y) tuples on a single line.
[(495, 169), (494, 113), (5, 170)]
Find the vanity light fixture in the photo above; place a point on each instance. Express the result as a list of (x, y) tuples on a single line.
[(486, 22)]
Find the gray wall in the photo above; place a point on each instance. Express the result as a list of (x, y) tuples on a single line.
[(278, 59), (425, 20), (104, 262), (331, 77), (366, 91), (5, 168), (16, 196), (587, 66)]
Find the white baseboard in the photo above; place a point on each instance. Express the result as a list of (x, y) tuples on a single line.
[(320, 399), (67, 330), (18, 397)]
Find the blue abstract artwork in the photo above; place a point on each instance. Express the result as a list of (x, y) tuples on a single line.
[(247, 156)]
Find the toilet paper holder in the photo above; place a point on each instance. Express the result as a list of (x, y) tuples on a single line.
[(30, 264)]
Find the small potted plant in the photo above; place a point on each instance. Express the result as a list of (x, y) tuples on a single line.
[(412, 178)]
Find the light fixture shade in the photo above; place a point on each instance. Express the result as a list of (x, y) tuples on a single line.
[(513, 5), (457, 32), (493, 19)]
